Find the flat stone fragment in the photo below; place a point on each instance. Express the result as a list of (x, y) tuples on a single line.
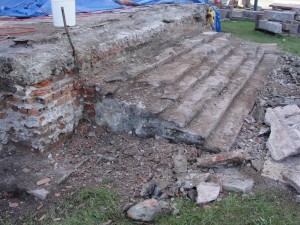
[(293, 179), (274, 27), (210, 160), (39, 193), (191, 180), (238, 185), (234, 180), (274, 169), (279, 15), (284, 139), (207, 192)]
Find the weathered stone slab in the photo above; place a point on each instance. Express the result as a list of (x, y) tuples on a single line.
[(274, 170), (242, 185), (207, 192), (274, 27), (293, 179), (279, 15), (284, 139), (234, 180)]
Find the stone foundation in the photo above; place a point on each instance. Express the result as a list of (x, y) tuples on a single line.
[(42, 99)]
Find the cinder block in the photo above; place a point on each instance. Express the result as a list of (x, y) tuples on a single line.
[(274, 27), (297, 17), (279, 15)]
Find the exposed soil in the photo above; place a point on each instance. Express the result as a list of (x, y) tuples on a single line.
[(124, 162)]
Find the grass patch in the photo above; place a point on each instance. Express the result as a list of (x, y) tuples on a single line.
[(98, 206), (245, 30), (94, 206), (261, 209)]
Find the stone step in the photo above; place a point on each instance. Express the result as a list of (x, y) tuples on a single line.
[(214, 110), (174, 91), (189, 105), (175, 70), (144, 59), (223, 137)]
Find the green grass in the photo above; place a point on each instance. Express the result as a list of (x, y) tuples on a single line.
[(98, 206), (261, 209), (94, 206), (245, 30)]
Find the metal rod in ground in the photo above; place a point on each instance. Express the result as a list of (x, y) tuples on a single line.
[(76, 68)]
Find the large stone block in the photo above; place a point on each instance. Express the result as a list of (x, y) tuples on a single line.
[(292, 26), (284, 139), (274, 27), (279, 15)]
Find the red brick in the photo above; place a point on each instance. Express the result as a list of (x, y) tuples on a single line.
[(23, 110), (30, 100), (90, 91), (67, 89), (91, 113), (75, 93), (2, 115), (78, 84), (40, 92), (42, 119), (89, 106), (33, 112), (76, 102), (63, 100), (69, 72), (61, 126), (56, 95), (89, 99), (43, 83)]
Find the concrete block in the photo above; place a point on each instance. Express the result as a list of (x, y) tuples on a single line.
[(284, 139), (279, 15), (297, 17), (251, 14), (274, 27)]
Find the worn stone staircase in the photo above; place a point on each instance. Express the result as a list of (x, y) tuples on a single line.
[(196, 90)]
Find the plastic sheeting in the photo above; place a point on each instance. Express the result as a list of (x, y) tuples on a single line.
[(36, 8)]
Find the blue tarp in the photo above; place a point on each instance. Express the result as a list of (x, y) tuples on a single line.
[(36, 8)]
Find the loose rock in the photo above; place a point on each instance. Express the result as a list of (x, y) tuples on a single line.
[(180, 164), (284, 139), (147, 210), (293, 179), (39, 193), (207, 192), (148, 188)]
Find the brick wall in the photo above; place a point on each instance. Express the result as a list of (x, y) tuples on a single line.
[(37, 115)]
